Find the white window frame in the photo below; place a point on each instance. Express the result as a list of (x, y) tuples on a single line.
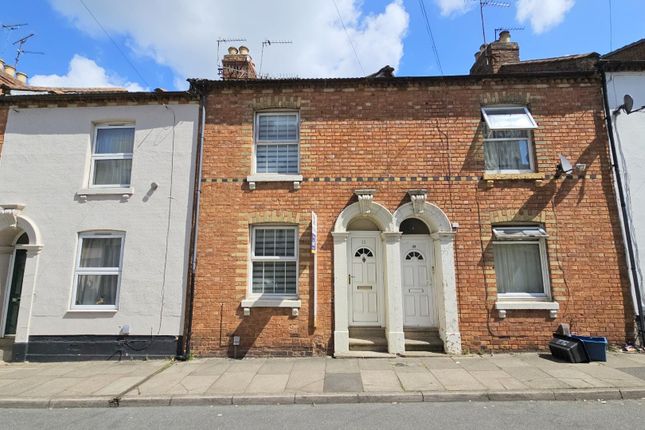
[(257, 141), (488, 131), (539, 239), (253, 259), (109, 156), (78, 270)]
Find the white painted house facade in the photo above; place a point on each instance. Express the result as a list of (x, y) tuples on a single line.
[(624, 77), (95, 221)]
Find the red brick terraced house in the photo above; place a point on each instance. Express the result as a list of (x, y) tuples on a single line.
[(441, 221)]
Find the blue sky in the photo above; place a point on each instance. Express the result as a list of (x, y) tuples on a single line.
[(162, 42)]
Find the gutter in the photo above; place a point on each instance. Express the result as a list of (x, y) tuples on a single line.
[(197, 191), (627, 229)]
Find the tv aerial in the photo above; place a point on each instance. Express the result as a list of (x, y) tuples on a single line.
[(268, 42), (498, 30), (493, 3), (20, 43)]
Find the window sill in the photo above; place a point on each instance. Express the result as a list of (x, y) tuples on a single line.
[(247, 304), (507, 305), (273, 177), (94, 310), (124, 193), (513, 176)]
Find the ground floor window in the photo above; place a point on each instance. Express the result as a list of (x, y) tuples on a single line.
[(520, 262), (274, 260), (98, 270)]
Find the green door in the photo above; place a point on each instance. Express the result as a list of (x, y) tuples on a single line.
[(16, 290)]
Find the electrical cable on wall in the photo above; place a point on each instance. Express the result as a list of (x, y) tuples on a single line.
[(169, 222)]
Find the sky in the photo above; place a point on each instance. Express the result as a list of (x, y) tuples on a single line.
[(146, 44)]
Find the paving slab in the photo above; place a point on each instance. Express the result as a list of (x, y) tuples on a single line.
[(343, 383), (440, 363), (265, 384), (638, 372), (235, 382), (304, 381), (276, 367), (457, 379), (475, 363), (380, 381), (497, 380), (416, 381), (375, 364), (349, 365)]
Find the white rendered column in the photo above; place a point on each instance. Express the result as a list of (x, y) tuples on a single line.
[(27, 295), (447, 291), (393, 294), (341, 312)]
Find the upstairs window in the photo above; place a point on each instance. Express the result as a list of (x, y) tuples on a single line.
[(277, 137), (112, 156), (274, 257), (520, 262), (508, 143)]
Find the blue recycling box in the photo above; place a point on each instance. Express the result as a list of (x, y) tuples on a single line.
[(596, 347)]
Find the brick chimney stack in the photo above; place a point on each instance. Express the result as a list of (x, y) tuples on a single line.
[(494, 55), (238, 64)]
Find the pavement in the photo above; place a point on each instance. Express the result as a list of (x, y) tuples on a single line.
[(261, 381)]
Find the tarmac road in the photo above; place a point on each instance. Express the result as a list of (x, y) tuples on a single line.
[(627, 414)]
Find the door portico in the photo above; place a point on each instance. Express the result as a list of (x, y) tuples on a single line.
[(439, 245)]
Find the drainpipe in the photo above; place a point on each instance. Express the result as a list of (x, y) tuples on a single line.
[(627, 236), (197, 190)]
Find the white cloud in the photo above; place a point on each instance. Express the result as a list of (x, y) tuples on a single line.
[(183, 34), (449, 7), (543, 14), (83, 73)]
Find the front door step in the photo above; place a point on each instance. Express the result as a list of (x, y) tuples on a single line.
[(423, 339), (367, 339)]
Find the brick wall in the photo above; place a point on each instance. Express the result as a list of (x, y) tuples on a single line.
[(394, 136)]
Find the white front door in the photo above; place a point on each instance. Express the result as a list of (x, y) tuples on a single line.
[(364, 279), (416, 273)]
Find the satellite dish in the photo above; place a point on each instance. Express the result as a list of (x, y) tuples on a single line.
[(628, 103), (566, 165), (563, 167)]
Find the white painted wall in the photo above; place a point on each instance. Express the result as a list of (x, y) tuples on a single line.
[(45, 161), (629, 135)]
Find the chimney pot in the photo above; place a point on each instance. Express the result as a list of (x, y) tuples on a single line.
[(10, 70), (244, 50), (505, 36), (232, 50), (22, 77)]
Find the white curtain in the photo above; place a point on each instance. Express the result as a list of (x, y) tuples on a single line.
[(112, 172), (507, 155), (518, 268), (98, 253), (101, 252), (96, 289), (114, 140)]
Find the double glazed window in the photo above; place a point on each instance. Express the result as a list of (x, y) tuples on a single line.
[(276, 143), (98, 270), (508, 146), (520, 262), (274, 259), (112, 156)]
